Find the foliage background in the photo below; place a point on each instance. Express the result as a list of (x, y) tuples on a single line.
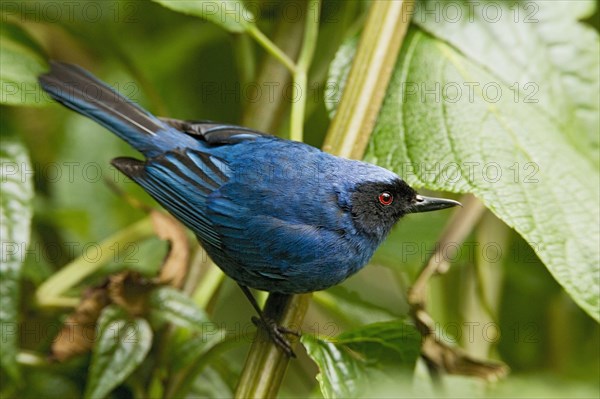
[(189, 68)]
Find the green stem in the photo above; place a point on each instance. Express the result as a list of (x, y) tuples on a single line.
[(208, 286), (266, 363), (245, 61), (368, 79), (271, 48), (300, 90), (50, 291), (267, 112), (483, 282), (244, 54)]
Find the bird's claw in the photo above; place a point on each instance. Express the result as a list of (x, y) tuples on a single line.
[(277, 334)]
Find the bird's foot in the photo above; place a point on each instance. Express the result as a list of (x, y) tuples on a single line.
[(277, 333)]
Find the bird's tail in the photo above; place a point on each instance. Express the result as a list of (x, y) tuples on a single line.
[(79, 90)]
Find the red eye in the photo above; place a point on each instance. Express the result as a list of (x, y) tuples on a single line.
[(386, 198)]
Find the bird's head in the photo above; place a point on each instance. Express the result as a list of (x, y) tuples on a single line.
[(376, 206)]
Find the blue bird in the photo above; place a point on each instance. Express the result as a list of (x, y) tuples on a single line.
[(273, 214)]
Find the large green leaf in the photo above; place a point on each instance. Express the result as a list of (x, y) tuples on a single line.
[(231, 15), (535, 47), (169, 304), (122, 344), (15, 214), (355, 362), (452, 122), (21, 62)]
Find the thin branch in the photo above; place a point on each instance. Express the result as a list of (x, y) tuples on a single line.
[(300, 89), (271, 48), (439, 356), (80, 268), (459, 226), (269, 104)]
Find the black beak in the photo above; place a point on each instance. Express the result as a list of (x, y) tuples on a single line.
[(427, 204)]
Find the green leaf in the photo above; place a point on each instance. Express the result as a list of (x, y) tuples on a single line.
[(356, 362), (350, 307), (122, 345), (189, 348), (231, 15), (453, 123), (210, 384), (15, 214), (21, 62), (169, 304), (539, 49), (339, 372)]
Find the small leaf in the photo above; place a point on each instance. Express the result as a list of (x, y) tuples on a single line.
[(21, 62), (355, 362), (121, 346), (15, 222), (231, 15), (339, 372), (169, 304)]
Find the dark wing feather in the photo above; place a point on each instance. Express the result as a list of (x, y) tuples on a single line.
[(181, 181), (215, 133)]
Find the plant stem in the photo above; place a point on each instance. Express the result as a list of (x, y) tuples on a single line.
[(483, 285), (269, 104), (244, 54), (266, 363), (437, 354), (300, 90), (208, 286), (271, 48), (265, 115), (368, 79), (80, 268), (458, 227)]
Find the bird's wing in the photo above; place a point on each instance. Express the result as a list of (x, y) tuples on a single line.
[(215, 133), (270, 245), (181, 181)]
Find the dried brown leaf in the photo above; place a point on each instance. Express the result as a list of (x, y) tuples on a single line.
[(130, 291), (174, 268), (79, 330)]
